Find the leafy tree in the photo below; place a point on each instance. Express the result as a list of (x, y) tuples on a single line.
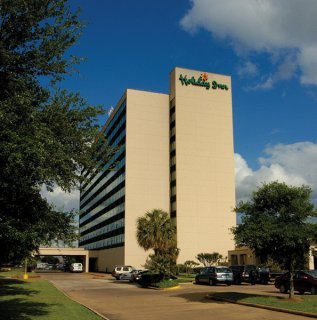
[(275, 225), (204, 258), (46, 133), (189, 265), (208, 259), (216, 257), (156, 231)]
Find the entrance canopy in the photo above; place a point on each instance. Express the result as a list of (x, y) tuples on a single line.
[(67, 252)]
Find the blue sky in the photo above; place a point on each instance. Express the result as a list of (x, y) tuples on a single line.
[(269, 48)]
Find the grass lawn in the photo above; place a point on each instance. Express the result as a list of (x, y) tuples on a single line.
[(37, 299), (304, 303)]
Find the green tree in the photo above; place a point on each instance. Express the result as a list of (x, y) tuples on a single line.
[(189, 265), (216, 257), (46, 133), (275, 225), (204, 258), (208, 259), (156, 231)]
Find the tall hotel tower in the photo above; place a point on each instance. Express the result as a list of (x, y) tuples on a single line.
[(176, 155)]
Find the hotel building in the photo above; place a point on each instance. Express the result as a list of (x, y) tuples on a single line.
[(176, 154)]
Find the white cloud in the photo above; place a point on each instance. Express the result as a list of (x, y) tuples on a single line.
[(62, 200), (294, 164), (308, 64), (279, 28), (247, 69)]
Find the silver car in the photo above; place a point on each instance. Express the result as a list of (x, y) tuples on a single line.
[(214, 275), (129, 275), (119, 270)]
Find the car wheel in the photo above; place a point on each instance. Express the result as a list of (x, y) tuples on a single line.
[(228, 284), (211, 282), (313, 290), (283, 289), (301, 291)]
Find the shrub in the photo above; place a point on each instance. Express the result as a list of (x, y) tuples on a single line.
[(197, 269), (149, 279)]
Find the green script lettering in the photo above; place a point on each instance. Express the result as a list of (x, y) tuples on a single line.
[(201, 83)]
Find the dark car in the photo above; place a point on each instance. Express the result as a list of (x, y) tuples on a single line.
[(268, 275), (304, 281), (214, 275), (136, 277), (246, 273)]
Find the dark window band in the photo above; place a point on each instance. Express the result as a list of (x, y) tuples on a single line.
[(104, 210), (104, 223)]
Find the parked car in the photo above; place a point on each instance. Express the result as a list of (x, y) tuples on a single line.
[(130, 275), (268, 274), (304, 281), (76, 267), (42, 266), (247, 273), (136, 277), (118, 270), (214, 275)]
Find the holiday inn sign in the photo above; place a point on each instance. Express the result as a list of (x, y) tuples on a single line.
[(202, 81)]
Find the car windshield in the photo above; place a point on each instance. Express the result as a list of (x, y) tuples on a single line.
[(313, 273), (223, 270)]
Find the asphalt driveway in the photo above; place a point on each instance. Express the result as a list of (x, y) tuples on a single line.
[(119, 300)]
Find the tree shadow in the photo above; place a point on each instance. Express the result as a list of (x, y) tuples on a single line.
[(237, 296), (195, 296), (7, 288), (212, 297), (19, 308)]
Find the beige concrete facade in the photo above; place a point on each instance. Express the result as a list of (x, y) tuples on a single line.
[(242, 256), (204, 164), (178, 158), (147, 164), (106, 259)]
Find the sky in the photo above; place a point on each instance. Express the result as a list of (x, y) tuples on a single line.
[(268, 47)]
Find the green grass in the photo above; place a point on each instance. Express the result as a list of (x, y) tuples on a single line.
[(165, 284), (173, 283), (185, 276), (37, 299), (15, 272), (304, 303)]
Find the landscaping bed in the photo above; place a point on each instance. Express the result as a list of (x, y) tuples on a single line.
[(153, 280)]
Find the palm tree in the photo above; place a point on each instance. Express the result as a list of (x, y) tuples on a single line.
[(155, 230)]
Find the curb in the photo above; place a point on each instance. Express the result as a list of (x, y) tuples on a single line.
[(165, 289), (259, 306)]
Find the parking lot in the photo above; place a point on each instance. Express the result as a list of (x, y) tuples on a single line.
[(120, 300)]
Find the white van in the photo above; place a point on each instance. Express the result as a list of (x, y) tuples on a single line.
[(76, 267)]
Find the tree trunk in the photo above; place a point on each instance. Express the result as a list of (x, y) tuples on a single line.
[(291, 285)]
